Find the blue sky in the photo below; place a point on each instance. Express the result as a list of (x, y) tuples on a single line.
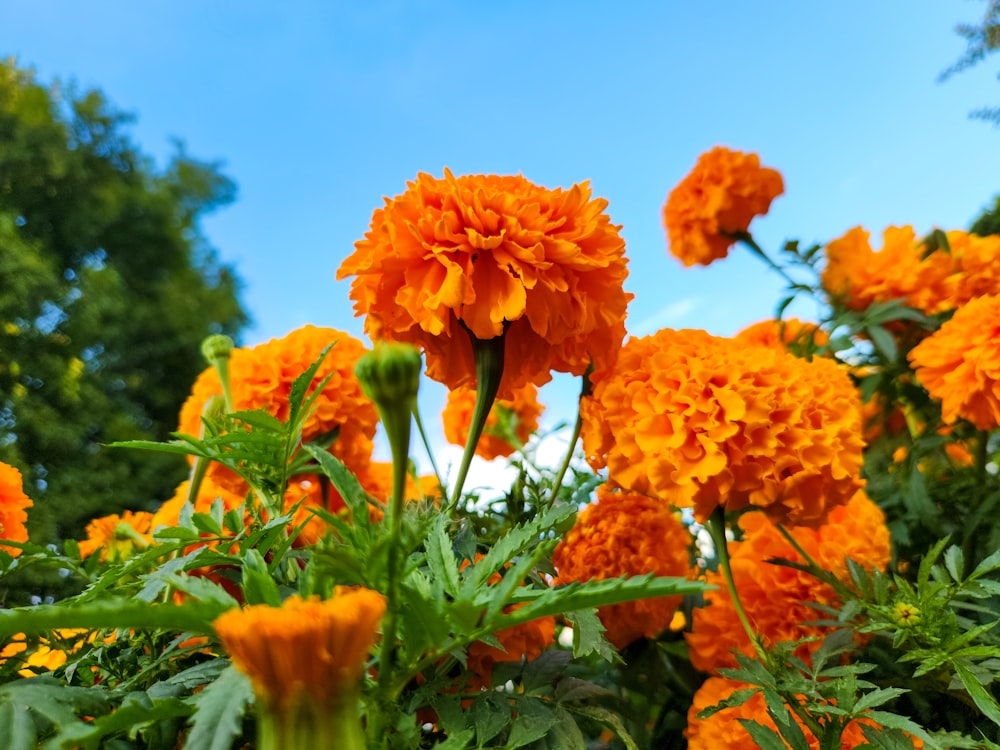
[(318, 109)]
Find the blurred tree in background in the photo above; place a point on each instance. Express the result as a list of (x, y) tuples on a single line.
[(981, 39), (107, 289)]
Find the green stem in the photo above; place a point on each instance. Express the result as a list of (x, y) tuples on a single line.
[(306, 725), (716, 526), (585, 390), (442, 487), (747, 239), (488, 356)]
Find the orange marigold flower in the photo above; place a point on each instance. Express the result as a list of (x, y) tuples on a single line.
[(703, 421), (723, 729), (959, 364), (517, 417), (14, 506), (859, 276), (493, 256), (718, 199), (626, 535), (305, 647), (791, 335), (976, 266), (776, 597), (261, 377), (118, 536)]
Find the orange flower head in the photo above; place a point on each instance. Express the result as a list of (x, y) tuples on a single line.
[(489, 256), (703, 421), (976, 263), (261, 377), (776, 597), (959, 364), (790, 335), (118, 536), (515, 417), (718, 199), (14, 506), (859, 276), (305, 646), (625, 534), (724, 730)]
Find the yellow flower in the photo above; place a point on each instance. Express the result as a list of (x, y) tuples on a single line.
[(304, 649), (118, 536), (718, 199)]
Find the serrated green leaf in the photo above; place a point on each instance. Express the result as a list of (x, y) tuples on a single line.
[(258, 585), (877, 698), (588, 635), (137, 712), (565, 734), (441, 558), (345, 483), (765, 737), (191, 616), (609, 719), (490, 715), (988, 565), (574, 690), (543, 671), (16, 726), (219, 710), (59, 704), (533, 721), (895, 721)]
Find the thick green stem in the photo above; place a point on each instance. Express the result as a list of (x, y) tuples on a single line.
[(306, 725), (488, 356)]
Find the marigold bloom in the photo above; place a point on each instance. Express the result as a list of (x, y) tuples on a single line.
[(703, 421), (305, 647), (626, 535), (791, 335), (117, 536), (976, 266), (489, 256), (959, 364), (719, 198), (776, 597), (47, 655), (723, 729), (14, 506), (261, 377), (517, 416), (859, 276)]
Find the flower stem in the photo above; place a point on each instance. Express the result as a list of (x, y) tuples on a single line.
[(716, 526), (442, 487), (488, 354), (747, 239)]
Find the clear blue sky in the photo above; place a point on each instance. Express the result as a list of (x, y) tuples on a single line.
[(318, 109)]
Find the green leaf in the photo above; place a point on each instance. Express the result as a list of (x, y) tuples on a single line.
[(988, 565), (877, 698), (218, 718), (954, 561), (565, 734), (191, 616), (883, 341), (16, 725), (588, 635), (136, 713), (533, 721), (345, 483), (609, 719), (441, 558), (258, 585), (765, 737), (983, 698), (46, 697), (490, 715)]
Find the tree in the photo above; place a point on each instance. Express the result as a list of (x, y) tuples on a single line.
[(981, 39), (107, 288)]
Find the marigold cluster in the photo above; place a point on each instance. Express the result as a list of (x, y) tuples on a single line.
[(14, 506), (791, 335), (717, 200), (959, 364), (905, 268), (261, 377), (724, 730), (706, 422), (624, 534), (776, 598), (116, 536), (305, 646), (515, 418), (489, 256)]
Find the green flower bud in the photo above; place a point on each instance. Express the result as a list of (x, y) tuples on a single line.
[(390, 374), (216, 347)]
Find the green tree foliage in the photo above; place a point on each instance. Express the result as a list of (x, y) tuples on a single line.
[(107, 288), (981, 39)]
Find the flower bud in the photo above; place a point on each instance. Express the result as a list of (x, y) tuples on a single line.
[(216, 347), (390, 373)]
